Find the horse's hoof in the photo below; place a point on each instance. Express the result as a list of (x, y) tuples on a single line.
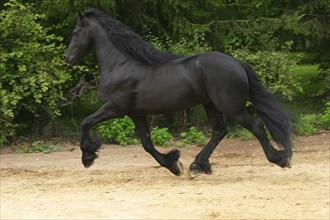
[(177, 168), (174, 165), (280, 158), (285, 163), (88, 159), (194, 173), (197, 169), (288, 163)]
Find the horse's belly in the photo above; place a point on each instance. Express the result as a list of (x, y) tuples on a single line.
[(165, 100)]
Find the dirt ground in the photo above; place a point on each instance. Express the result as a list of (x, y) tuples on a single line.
[(126, 183)]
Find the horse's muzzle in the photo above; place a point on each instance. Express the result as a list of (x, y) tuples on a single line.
[(66, 58)]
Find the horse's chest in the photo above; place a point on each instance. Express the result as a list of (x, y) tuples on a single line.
[(117, 92)]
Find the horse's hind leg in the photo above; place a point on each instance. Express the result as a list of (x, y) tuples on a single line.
[(257, 128), (169, 160), (219, 131)]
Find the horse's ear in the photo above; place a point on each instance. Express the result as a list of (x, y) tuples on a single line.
[(80, 15)]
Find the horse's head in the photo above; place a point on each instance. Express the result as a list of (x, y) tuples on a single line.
[(81, 41)]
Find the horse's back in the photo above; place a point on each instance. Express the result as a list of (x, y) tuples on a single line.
[(217, 66)]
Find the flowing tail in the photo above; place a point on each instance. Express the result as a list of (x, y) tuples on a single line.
[(276, 119)]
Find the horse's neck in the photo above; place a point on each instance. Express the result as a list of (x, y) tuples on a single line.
[(108, 56)]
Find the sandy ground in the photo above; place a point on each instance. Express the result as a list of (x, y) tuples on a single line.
[(126, 183)]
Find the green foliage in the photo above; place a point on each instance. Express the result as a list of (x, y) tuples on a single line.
[(304, 58), (33, 74), (184, 46), (323, 76), (306, 71), (40, 147), (274, 69), (306, 124), (118, 131), (240, 132), (309, 124), (306, 75), (160, 136), (221, 20), (325, 118), (193, 136)]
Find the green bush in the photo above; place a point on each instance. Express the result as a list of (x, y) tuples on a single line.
[(117, 131), (160, 136), (40, 147), (238, 131), (325, 118), (182, 47), (33, 73), (193, 136), (306, 124), (323, 77)]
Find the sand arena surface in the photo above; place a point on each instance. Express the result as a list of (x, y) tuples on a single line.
[(126, 183)]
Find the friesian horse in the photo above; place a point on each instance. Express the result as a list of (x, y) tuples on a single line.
[(137, 80)]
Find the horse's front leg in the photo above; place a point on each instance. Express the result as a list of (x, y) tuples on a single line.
[(169, 160), (87, 146)]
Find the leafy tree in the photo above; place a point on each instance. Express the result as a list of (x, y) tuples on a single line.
[(220, 20), (32, 72)]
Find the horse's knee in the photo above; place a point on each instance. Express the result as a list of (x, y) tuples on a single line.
[(85, 124), (219, 134)]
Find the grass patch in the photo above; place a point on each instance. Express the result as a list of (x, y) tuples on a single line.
[(305, 102), (305, 74), (239, 132), (306, 71), (40, 147)]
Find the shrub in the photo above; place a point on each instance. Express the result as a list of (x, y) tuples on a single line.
[(33, 73), (325, 118), (238, 131), (118, 131), (185, 47), (40, 147), (323, 76), (306, 124), (160, 136), (193, 136)]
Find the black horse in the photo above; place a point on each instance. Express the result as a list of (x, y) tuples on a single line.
[(137, 80)]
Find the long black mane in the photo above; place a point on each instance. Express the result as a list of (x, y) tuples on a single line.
[(128, 42)]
